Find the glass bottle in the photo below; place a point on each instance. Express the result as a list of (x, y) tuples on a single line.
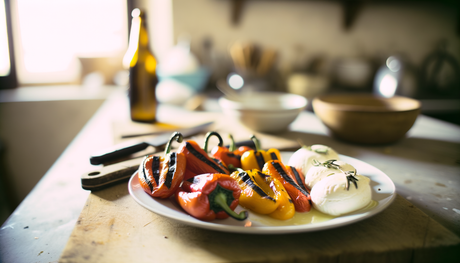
[(142, 66)]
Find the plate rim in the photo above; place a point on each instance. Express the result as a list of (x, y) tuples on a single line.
[(286, 229)]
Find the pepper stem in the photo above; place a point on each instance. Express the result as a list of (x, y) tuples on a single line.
[(256, 142), (206, 140), (219, 202), (179, 138), (232, 147)]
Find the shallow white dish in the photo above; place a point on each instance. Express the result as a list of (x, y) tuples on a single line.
[(383, 192), (264, 111)]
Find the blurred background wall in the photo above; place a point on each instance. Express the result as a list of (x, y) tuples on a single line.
[(304, 29), (337, 46)]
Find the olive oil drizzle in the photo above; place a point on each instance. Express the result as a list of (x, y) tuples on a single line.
[(203, 158)]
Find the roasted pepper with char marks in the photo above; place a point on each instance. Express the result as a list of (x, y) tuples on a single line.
[(300, 197), (198, 161), (230, 156), (211, 196), (264, 194), (297, 176), (256, 159), (161, 176)]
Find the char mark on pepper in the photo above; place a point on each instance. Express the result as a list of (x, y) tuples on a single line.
[(232, 155), (171, 171), (218, 161), (156, 169), (297, 177), (248, 180), (288, 179), (147, 180), (260, 159), (203, 158), (273, 156), (261, 174)]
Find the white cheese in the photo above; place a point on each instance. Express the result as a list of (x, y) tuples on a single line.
[(319, 172), (303, 158), (331, 196)]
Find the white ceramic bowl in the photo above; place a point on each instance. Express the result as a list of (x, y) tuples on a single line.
[(264, 111)]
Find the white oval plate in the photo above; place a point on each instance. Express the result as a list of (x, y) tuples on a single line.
[(383, 192)]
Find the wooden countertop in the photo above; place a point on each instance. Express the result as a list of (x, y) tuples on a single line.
[(50, 226)]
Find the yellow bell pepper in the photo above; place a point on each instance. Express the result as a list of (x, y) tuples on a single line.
[(256, 159), (264, 194)]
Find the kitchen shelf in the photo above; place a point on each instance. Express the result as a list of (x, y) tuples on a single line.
[(352, 8)]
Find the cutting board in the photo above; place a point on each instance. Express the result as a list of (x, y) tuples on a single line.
[(113, 228)]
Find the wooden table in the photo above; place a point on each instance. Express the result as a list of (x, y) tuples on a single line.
[(59, 221)]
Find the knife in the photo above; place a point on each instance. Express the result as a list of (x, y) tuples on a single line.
[(125, 149), (112, 174)]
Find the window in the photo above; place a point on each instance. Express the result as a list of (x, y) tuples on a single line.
[(50, 36), (5, 67)]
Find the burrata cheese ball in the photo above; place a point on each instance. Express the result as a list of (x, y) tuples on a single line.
[(302, 159), (320, 171), (331, 196)]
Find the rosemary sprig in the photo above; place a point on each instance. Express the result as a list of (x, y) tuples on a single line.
[(350, 175), (328, 164), (351, 179)]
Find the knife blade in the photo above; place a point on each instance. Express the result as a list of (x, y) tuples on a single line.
[(125, 149), (105, 176)]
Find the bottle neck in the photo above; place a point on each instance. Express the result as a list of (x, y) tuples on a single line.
[(138, 42), (143, 34)]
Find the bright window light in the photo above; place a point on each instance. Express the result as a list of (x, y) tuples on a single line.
[(4, 49), (51, 34)]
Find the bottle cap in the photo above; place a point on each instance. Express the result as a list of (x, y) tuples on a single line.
[(136, 12)]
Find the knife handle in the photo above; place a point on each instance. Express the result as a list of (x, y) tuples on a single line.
[(117, 151), (110, 175)]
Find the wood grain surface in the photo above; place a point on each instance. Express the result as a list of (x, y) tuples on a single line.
[(114, 228)]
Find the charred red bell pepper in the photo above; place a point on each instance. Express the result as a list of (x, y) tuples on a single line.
[(198, 161), (210, 196), (230, 156), (255, 159), (300, 197), (162, 176)]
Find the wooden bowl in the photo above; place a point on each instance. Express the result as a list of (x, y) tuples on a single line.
[(366, 119)]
